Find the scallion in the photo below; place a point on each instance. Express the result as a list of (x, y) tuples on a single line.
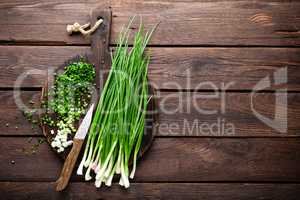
[(118, 124)]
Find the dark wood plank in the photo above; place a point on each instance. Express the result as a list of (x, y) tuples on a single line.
[(13, 121), (46, 21), (16, 61), (221, 68), (171, 68), (205, 191), (173, 159), (41, 3), (182, 114), (214, 22), (219, 22), (213, 114)]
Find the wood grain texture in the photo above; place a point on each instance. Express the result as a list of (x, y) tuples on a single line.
[(46, 21), (268, 23), (215, 22), (170, 68), (41, 3), (205, 191), (12, 116), (197, 159), (16, 61), (69, 165), (183, 114), (174, 166), (100, 43)]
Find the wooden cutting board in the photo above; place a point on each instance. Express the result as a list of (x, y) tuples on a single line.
[(100, 58)]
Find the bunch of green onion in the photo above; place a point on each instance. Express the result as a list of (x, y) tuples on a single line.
[(117, 128)]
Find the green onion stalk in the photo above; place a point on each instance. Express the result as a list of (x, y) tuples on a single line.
[(118, 125)]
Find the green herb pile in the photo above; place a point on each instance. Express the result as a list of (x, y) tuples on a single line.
[(117, 127), (68, 99)]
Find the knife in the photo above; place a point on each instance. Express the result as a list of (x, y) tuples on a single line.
[(78, 140)]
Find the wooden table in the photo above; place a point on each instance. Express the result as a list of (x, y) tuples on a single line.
[(229, 45)]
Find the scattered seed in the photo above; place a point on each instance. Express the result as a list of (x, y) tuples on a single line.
[(7, 124), (12, 162), (41, 140)]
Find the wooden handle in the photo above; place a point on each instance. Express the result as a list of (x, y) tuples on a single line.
[(69, 164)]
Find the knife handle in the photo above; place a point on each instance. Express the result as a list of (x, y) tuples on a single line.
[(69, 164)]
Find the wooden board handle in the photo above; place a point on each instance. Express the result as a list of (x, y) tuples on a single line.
[(69, 164)]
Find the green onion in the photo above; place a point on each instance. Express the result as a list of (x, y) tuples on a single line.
[(68, 99), (118, 124)]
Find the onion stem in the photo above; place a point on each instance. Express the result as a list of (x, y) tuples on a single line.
[(118, 125)]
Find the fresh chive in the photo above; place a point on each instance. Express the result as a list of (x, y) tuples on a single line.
[(118, 124)]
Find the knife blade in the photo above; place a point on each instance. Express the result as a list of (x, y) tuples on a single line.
[(78, 140), (85, 124)]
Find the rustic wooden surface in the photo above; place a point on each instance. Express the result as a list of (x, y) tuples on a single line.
[(218, 41)]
